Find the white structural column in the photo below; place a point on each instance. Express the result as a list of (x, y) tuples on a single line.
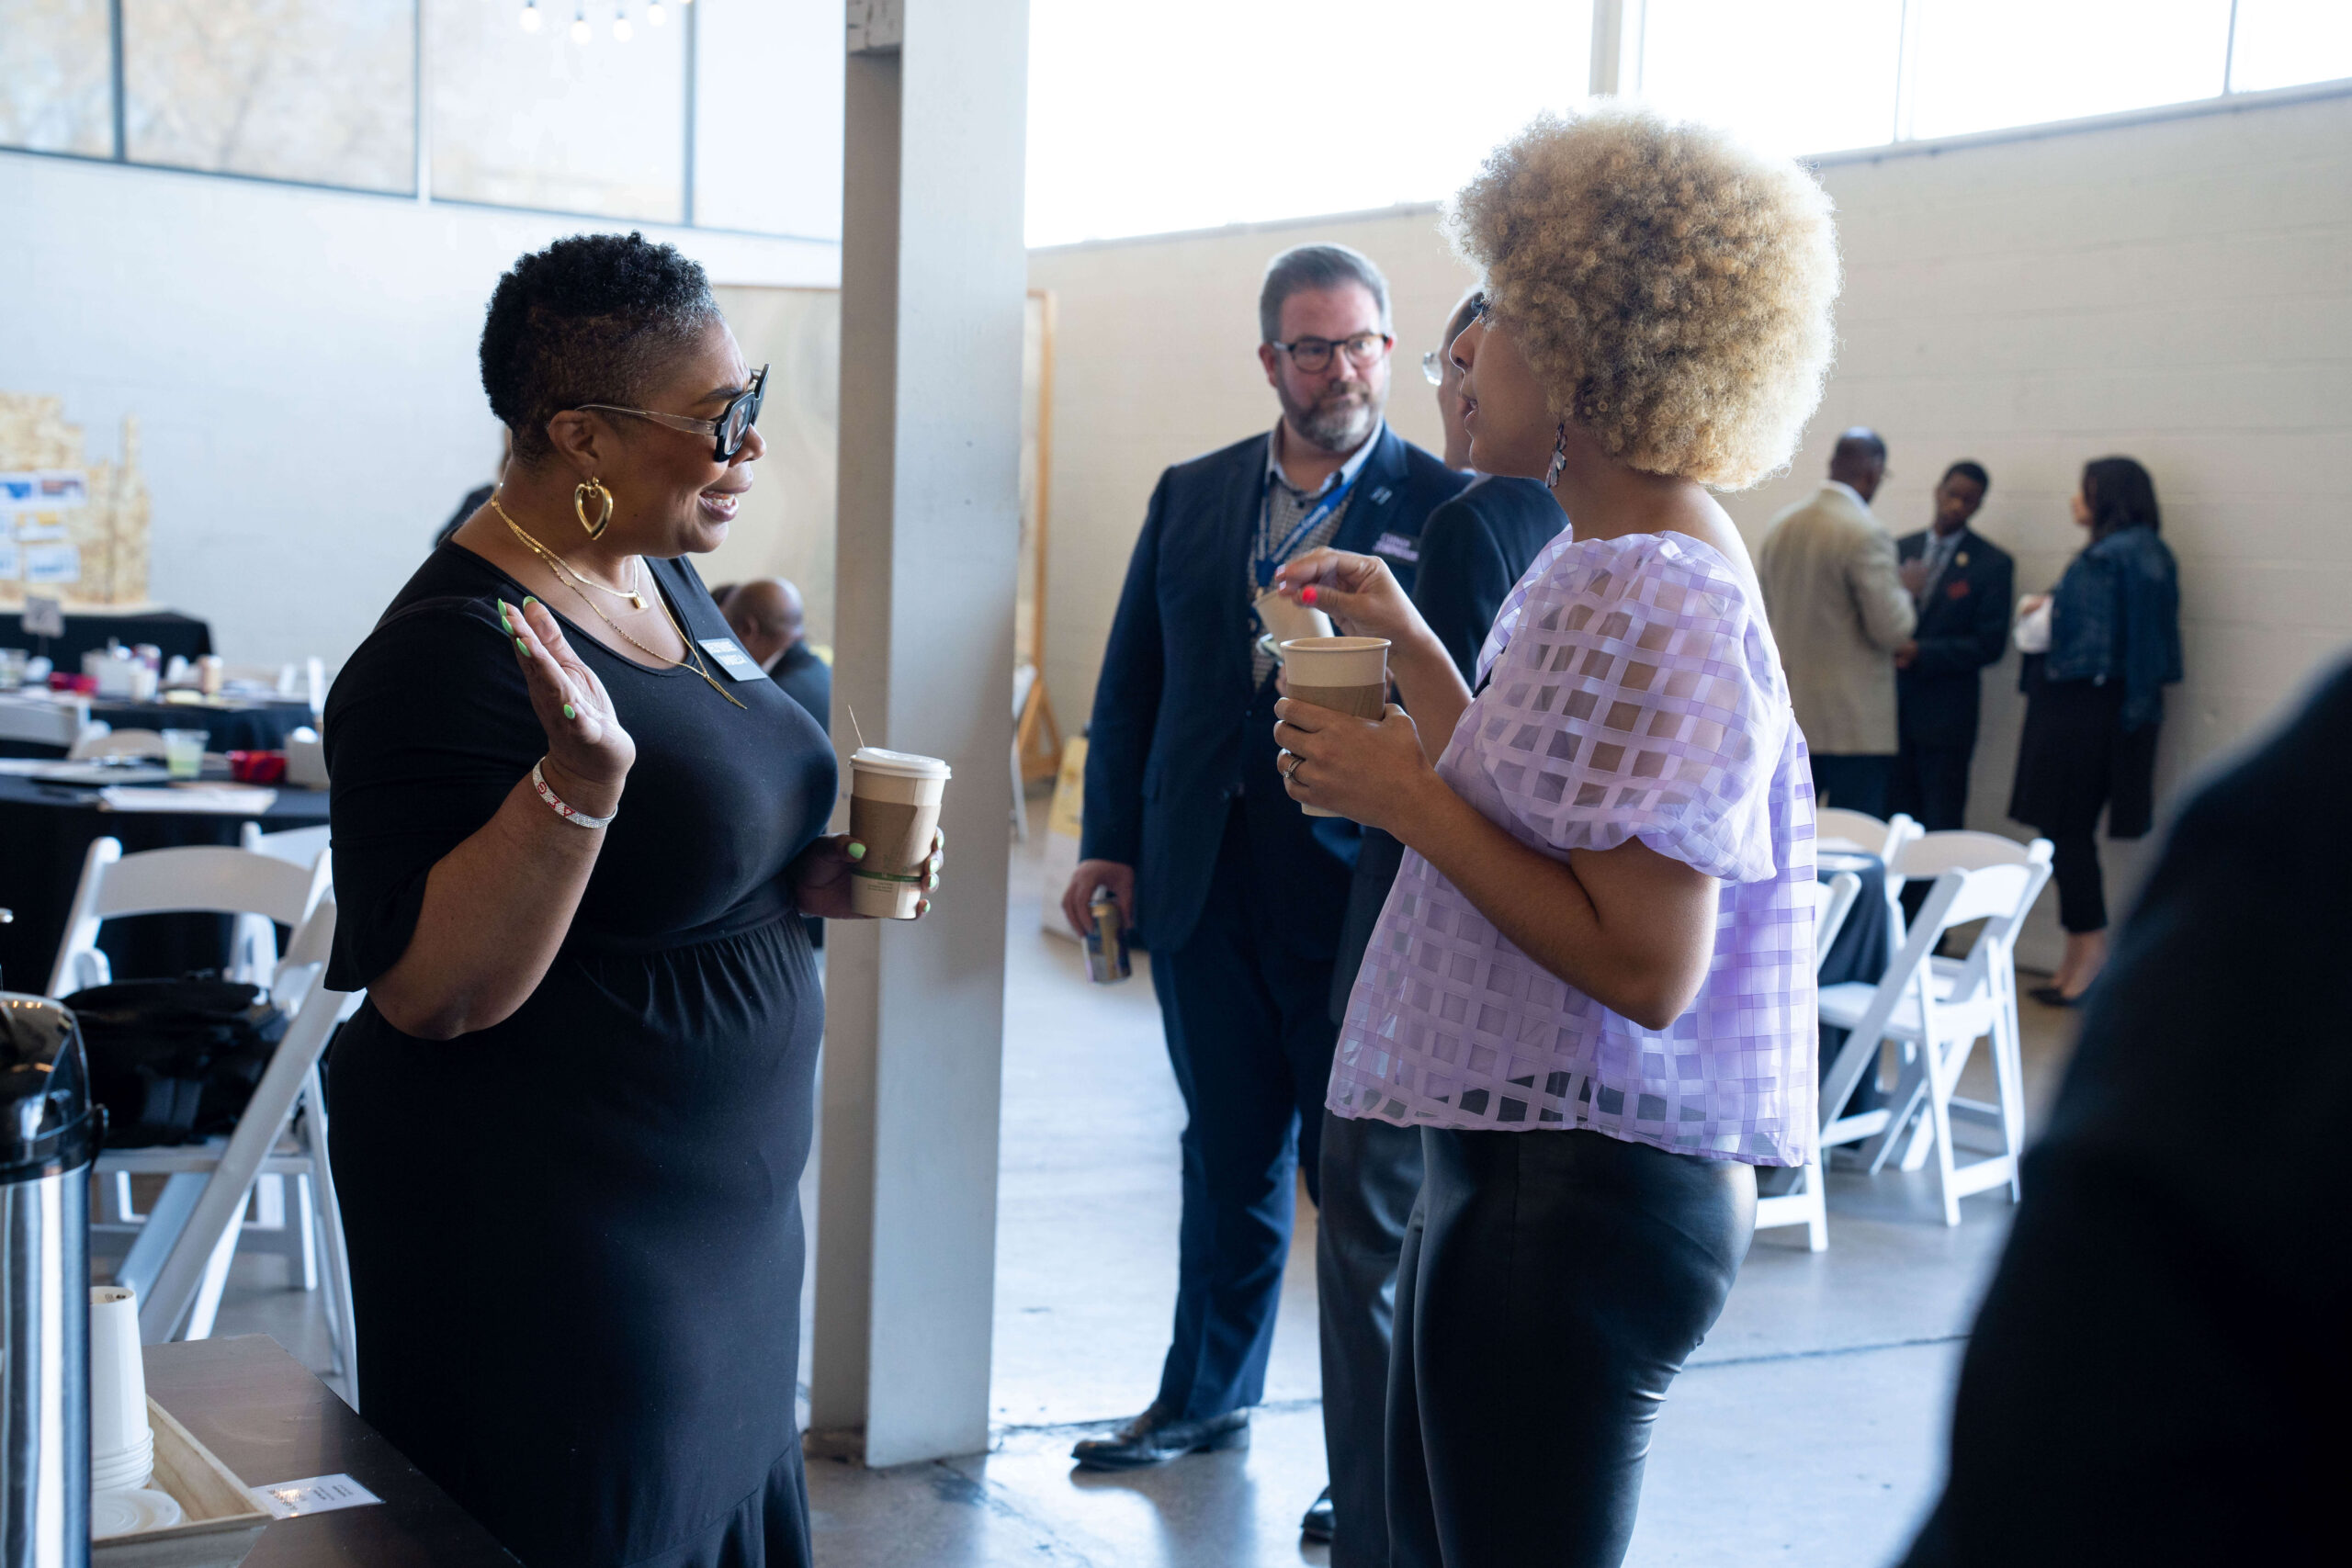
[(934, 275), (1617, 31)]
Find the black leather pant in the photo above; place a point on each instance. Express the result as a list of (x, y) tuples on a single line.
[(1552, 1285)]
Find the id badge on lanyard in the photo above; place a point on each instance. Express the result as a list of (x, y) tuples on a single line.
[(1265, 564)]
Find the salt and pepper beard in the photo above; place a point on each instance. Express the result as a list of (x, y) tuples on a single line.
[(1334, 422)]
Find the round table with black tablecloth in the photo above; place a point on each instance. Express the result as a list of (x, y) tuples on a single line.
[(247, 726), (1865, 946), (84, 630), (45, 833)]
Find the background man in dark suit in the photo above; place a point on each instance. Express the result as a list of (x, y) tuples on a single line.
[(1472, 550), (768, 619), (1960, 582), (1187, 824)]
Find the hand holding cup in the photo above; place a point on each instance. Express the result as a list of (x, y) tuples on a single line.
[(1370, 770)]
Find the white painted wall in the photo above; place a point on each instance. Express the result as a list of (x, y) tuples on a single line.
[(302, 364), (2180, 290)]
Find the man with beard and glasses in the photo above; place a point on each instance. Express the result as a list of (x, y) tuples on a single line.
[(1235, 891)]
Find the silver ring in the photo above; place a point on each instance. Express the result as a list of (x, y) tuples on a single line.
[(1296, 762)]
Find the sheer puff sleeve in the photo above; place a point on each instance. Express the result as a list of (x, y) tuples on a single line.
[(1639, 696)]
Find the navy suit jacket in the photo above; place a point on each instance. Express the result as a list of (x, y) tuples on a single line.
[(1964, 626), (1167, 750)]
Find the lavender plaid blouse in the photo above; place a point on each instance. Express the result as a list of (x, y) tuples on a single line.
[(1634, 692)]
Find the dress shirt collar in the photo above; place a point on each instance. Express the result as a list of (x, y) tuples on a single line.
[(1348, 470)]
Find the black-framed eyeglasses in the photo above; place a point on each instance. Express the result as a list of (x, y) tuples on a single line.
[(1313, 353), (727, 433)]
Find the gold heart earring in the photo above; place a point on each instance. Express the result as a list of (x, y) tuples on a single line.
[(580, 498)]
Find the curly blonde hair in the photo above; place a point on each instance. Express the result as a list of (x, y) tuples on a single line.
[(1670, 289)]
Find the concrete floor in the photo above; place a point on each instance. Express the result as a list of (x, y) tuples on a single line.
[(1809, 1426)]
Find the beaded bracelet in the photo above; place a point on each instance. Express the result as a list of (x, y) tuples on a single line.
[(555, 803)]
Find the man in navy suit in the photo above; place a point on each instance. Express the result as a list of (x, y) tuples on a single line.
[(1186, 822), (1472, 550), (1962, 583)]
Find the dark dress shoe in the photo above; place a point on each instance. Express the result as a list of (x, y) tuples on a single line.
[(1153, 1438), (2052, 996), (1316, 1525)]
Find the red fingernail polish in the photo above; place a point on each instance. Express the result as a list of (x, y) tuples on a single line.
[(1306, 595)]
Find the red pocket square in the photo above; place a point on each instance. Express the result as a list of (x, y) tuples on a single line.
[(1956, 590)]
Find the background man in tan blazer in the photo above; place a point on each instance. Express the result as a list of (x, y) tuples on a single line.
[(1841, 614)]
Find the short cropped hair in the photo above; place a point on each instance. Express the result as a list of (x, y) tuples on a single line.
[(1968, 468), (1671, 289), (590, 319), (1861, 444), (1303, 267)]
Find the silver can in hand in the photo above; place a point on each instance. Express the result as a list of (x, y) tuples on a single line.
[(1106, 943)]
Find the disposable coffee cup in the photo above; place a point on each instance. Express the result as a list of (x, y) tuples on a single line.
[(894, 799), (1347, 674), (1286, 619), (122, 1445)]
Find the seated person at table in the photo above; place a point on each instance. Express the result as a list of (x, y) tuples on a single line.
[(1591, 986), (770, 622)]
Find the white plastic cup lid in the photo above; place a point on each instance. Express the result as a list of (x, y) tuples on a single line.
[(901, 764)]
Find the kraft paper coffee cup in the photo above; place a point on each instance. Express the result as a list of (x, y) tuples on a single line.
[(894, 799), (1288, 619), (1349, 674)]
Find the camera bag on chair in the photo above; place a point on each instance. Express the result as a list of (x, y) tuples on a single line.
[(175, 1061)]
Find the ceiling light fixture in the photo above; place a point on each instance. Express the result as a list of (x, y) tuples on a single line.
[(621, 29), (530, 15), (654, 15), (581, 32)]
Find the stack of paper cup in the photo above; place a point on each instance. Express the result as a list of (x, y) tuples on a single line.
[(894, 799), (122, 1445)]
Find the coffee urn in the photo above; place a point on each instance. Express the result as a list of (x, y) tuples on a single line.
[(49, 1135)]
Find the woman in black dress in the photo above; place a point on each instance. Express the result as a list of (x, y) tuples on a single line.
[(2094, 702), (571, 1121)]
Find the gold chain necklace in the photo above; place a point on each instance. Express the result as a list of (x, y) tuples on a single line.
[(572, 579), (636, 598)]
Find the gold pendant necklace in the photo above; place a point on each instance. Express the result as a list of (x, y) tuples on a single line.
[(574, 580)]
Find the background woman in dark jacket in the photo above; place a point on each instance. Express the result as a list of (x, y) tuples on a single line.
[(2094, 702)]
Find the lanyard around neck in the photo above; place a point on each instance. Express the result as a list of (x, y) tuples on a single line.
[(1265, 562)]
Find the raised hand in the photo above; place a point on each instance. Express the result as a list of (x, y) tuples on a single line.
[(589, 754)]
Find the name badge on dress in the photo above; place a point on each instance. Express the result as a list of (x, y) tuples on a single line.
[(731, 658), (1397, 547)]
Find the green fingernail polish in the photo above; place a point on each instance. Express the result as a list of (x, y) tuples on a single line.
[(503, 624), (857, 852), (522, 648), (568, 712), (529, 599)]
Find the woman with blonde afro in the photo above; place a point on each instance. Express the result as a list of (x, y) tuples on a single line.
[(1591, 986)]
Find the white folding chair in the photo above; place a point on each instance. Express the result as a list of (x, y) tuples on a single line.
[(1924, 859), (181, 1261), (276, 1226), (1938, 1012), (1837, 829), (205, 879), (99, 740), (259, 891), (1806, 1203)]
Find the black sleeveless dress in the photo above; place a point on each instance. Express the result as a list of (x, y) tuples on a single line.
[(575, 1237)]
